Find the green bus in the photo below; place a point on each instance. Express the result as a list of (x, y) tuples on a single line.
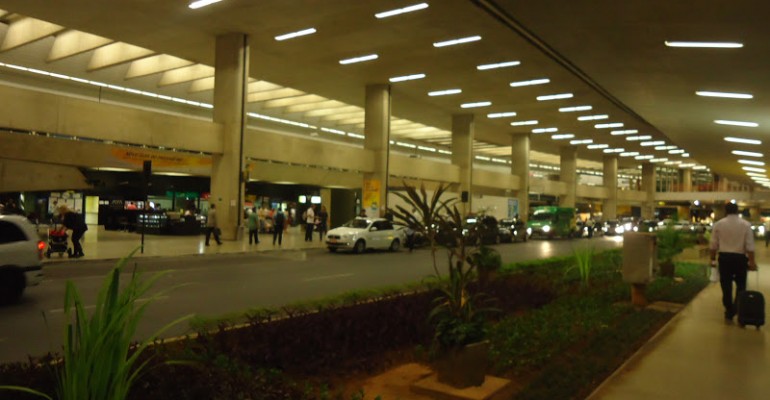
[(550, 222)]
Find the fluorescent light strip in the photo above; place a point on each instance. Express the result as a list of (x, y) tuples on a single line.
[(756, 175), (610, 125), (663, 148), (593, 117), (624, 132), (598, 146), (202, 3), (445, 92), (334, 131), (457, 41), (404, 10), (583, 141), (736, 123), (652, 143), (644, 157), (281, 120), (530, 82), (658, 160), (562, 136), (406, 78), (753, 169), (502, 114), (555, 97), (293, 35), (713, 45), (355, 135), (424, 148), (354, 60), (673, 162), (629, 154), (476, 104), (545, 130), (752, 162), (520, 123), (498, 65), (679, 151), (688, 165), (700, 167), (724, 94), (618, 150), (685, 155), (409, 145), (742, 140), (442, 151), (638, 138), (747, 153), (483, 158), (575, 108)]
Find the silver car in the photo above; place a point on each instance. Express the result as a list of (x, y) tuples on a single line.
[(21, 252)]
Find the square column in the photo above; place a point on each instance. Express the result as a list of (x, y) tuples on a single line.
[(686, 180), (462, 156), (377, 140), (568, 175), (648, 186), (520, 167), (610, 208), (231, 76)]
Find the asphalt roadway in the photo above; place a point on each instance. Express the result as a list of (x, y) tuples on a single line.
[(214, 285)]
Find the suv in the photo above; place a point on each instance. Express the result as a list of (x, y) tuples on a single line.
[(21, 252)]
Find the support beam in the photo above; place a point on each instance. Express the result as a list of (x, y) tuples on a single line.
[(322, 111), (71, 43), (648, 187), (377, 140), (294, 101), (155, 65), (273, 94), (568, 175), (186, 74), (201, 85), (686, 180), (520, 143), (116, 54), (462, 156), (610, 206), (26, 31)]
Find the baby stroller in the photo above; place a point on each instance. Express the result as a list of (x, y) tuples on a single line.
[(58, 242)]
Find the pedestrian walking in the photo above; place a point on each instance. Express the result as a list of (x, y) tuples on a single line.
[(253, 225), (309, 223), (323, 223), (74, 222), (211, 225), (767, 232), (733, 240), (279, 220)]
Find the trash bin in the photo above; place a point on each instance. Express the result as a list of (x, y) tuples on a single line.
[(640, 261)]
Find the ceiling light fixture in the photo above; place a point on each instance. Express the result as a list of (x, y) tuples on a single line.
[(610, 125), (742, 140), (545, 130), (700, 167), (476, 104), (554, 96), (736, 123), (754, 169), (638, 138), (444, 92), (202, 3), (530, 82), (713, 45), (658, 160), (618, 150), (678, 151), (293, 35), (598, 146), (663, 148), (752, 162), (520, 123), (685, 155), (497, 65), (706, 93), (502, 114), (457, 41), (354, 60), (584, 141), (747, 153), (644, 157), (629, 154), (624, 132), (406, 78), (652, 143), (404, 10), (593, 117), (575, 108), (562, 136)]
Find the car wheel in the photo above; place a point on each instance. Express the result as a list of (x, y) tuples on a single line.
[(332, 249), (395, 245), (360, 247), (11, 286)]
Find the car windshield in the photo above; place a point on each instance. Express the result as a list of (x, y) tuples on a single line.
[(357, 223), (542, 216)]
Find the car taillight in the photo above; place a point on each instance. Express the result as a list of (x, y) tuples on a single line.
[(40, 248)]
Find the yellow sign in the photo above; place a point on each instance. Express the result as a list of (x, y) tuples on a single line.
[(371, 195), (160, 158)]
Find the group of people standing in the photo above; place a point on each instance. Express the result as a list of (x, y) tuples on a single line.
[(255, 219), (316, 222)]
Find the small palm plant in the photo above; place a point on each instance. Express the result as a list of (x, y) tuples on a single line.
[(584, 259)]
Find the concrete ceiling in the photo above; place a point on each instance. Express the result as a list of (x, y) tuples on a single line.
[(609, 54)]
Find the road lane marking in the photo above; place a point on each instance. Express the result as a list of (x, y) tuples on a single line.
[(140, 300), (319, 278)]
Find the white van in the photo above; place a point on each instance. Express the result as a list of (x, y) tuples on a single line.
[(21, 254)]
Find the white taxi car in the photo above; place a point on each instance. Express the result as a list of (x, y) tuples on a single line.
[(360, 234), (21, 255)]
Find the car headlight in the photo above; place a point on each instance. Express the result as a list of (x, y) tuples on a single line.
[(529, 231), (546, 228), (620, 229), (636, 229), (627, 226)]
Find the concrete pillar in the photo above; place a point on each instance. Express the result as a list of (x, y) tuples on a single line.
[(377, 139), (520, 168), (755, 213), (610, 207), (232, 60), (687, 180), (648, 186), (568, 175), (719, 210), (462, 156)]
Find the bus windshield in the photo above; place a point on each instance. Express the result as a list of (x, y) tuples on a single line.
[(542, 216)]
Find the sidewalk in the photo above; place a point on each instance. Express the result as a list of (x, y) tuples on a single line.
[(99, 244)]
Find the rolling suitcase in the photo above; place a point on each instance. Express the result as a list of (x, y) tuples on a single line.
[(751, 307)]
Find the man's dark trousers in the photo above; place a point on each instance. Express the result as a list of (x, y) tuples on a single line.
[(733, 267)]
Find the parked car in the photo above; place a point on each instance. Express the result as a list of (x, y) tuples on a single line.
[(613, 228), (646, 226), (589, 229), (485, 230), (360, 234), (21, 252), (517, 227)]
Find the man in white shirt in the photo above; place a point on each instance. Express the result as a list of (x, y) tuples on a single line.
[(309, 223), (733, 239)]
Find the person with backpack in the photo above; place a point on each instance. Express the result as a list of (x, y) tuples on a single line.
[(279, 220)]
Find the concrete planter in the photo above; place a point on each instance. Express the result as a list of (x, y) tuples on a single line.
[(464, 366)]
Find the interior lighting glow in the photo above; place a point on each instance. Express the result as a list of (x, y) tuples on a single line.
[(442, 151), (545, 130), (724, 94), (638, 138), (483, 158), (610, 125), (713, 45), (756, 175), (652, 143), (685, 155), (754, 169), (476, 104), (624, 132), (425, 148), (520, 123), (555, 97), (742, 140), (562, 136), (618, 150), (334, 131), (403, 144), (354, 60), (747, 153), (687, 165), (736, 123), (202, 3), (355, 135), (678, 151), (531, 82), (502, 114), (629, 154), (644, 157), (593, 117), (281, 120), (752, 162), (598, 146), (293, 35), (406, 78), (673, 162), (583, 141), (457, 41), (658, 160), (575, 108), (700, 167), (445, 92), (497, 65), (665, 148), (404, 10)]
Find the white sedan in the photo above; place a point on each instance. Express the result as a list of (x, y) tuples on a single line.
[(360, 234)]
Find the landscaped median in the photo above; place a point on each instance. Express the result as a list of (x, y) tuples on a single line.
[(560, 332)]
